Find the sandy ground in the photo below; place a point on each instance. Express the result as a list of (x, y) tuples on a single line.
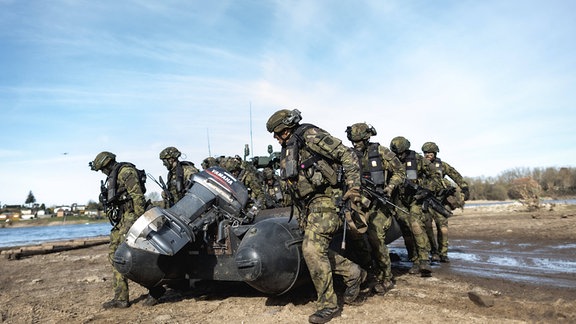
[(70, 286)]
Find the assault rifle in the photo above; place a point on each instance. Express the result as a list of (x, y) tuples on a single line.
[(343, 206), (369, 188), (445, 193), (167, 194), (430, 201)]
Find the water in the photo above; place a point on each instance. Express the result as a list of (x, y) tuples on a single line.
[(508, 202), (536, 263), (20, 236)]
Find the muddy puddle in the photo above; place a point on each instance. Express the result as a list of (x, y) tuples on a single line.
[(547, 264)]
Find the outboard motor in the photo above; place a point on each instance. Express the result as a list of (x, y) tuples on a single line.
[(150, 254)]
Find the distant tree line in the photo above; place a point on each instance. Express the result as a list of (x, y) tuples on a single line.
[(523, 183)]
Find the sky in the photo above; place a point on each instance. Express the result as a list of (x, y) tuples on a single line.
[(492, 82)]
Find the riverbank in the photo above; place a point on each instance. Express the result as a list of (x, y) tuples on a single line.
[(52, 221), (70, 286)]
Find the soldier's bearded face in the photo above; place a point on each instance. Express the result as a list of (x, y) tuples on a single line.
[(282, 136), (430, 156), (360, 145)]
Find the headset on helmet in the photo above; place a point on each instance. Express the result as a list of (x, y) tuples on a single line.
[(360, 132), (102, 160), (283, 119)]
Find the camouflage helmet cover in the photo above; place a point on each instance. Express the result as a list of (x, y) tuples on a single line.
[(209, 162), (231, 163), (102, 160), (430, 147), (360, 132), (170, 152), (399, 144), (283, 119)]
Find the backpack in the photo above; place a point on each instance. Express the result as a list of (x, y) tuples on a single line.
[(141, 174)]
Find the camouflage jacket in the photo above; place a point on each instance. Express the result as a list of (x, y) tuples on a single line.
[(445, 169), (310, 160), (179, 179)]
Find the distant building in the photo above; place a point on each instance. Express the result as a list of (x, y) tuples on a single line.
[(26, 214)]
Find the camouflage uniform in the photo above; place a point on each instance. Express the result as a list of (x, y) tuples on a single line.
[(314, 191), (126, 199), (439, 244), (273, 189), (245, 173), (179, 179), (179, 174), (376, 161), (420, 175), (209, 162)]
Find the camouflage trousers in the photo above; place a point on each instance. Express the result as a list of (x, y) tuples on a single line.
[(320, 225), (417, 242), (117, 236), (438, 244), (379, 220)]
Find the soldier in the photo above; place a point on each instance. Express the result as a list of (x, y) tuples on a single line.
[(179, 175), (273, 189), (123, 199), (448, 196), (245, 173), (420, 177), (307, 165), (209, 162), (382, 172)]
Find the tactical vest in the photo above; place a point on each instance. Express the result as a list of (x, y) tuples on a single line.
[(411, 163), (306, 170), (375, 168), (176, 177), (439, 167), (117, 195)]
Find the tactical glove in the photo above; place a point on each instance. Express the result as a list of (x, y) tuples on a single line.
[(388, 191), (353, 194), (466, 193)]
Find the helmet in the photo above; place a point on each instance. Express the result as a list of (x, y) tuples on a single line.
[(430, 147), (399, 144), (209, 162), (170, 152), (232, 163), (360, 132), (102, 160), (283, 119)]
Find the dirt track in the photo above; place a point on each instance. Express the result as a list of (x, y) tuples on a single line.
[(71, 286)]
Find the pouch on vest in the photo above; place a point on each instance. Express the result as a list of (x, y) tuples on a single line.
[(290, 156), (375, 165)]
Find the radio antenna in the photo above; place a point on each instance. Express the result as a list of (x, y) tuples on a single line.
[(208, 138), (251, 143)]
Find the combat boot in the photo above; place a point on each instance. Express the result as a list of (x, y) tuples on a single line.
[(381, 288), (150, 301), (352, 292), (324, 315), (424, 268), (115, 303), (415, 268), (444, 259), (435, 258)]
